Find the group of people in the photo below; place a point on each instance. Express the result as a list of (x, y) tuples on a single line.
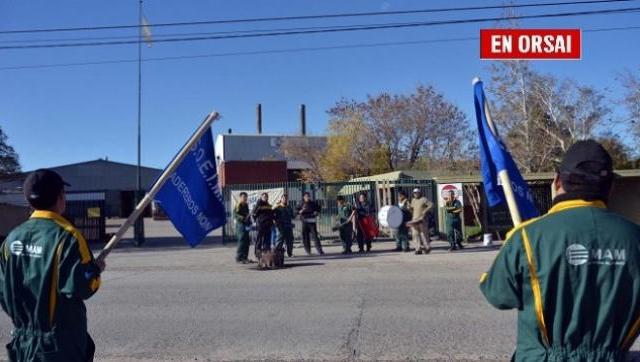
[(275, 223)]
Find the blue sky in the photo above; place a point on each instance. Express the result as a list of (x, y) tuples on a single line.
[(62, 115)]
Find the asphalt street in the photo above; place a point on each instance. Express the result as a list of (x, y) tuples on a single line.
[(174, 303)]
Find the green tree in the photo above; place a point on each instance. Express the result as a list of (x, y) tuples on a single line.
[(9, 161)]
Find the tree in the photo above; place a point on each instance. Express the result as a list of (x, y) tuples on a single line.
[(619, 153), (543, 115), (631, 83), (9, 161)]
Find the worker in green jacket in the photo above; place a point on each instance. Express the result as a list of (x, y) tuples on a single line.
[(46, 272), (243, 224), (574, 273), (453, 208), (283, 216)]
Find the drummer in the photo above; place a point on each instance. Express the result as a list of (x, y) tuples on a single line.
[(402, 232)]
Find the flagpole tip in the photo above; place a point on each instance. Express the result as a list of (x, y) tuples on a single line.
[(475, 80)]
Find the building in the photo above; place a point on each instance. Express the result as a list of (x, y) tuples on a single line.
[(258, 159), (113, 182)]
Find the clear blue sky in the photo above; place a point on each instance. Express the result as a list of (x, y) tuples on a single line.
[(56, 116)]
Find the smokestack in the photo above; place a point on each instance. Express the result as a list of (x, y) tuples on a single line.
[(303, 120), (259, 118)]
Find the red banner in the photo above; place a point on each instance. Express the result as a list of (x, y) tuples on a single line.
[(530, 44)]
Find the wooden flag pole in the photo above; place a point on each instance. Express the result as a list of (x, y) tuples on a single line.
[(503, 175), (146, 200)]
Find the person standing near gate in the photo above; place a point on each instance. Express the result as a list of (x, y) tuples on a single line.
[(453, 208), (364, 209), (46, 272), (572, 274), (309, 211), (284, 223), (402, 233), (263, 215), (243, 224), (345, 224), (420, 208)]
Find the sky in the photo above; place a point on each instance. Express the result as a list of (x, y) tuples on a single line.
[(61, 115)]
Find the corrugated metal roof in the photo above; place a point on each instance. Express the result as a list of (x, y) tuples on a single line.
[(233, 147)]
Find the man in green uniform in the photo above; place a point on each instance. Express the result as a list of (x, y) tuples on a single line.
[(574, 273), (402, 233), (453, 209), (345, 227), (46, 272), (284, 215), (243, 223)]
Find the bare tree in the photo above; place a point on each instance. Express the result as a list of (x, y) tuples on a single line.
[(631, 83), (9, 161)]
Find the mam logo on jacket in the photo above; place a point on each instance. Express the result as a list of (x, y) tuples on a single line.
[(578, 254), (17, 248)]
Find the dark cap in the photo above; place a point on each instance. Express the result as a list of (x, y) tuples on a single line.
[(42, 188), (586, 162)]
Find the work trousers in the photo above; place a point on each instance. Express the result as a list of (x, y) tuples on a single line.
[(421, 239), (310, 230), (402, 238), (454, 233), (242, 235), (285, 236), (263, 239), (346, 236)]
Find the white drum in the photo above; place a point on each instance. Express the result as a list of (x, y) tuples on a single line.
[(390, 216)]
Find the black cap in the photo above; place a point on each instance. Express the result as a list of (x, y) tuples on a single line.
[(42, 188), (587, 169)]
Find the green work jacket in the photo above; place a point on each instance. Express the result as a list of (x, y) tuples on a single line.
[(46, 272), (453, 210), (574, 276), (283, 216)]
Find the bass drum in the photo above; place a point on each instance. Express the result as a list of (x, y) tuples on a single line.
[(390, 216)]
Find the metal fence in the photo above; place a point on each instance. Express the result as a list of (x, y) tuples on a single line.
[(379, 193), (86, 211)]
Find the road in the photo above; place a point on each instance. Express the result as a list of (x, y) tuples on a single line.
[(172, 303)]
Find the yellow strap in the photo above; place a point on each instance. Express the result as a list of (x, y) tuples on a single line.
[(631, 336), (85, 254), (53, 293), (535, 287)]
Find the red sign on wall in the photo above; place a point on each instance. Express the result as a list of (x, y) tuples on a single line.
[(530, 44)]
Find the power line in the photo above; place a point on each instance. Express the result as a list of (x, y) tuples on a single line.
[(310, 17), (331, 30), (279, 51)]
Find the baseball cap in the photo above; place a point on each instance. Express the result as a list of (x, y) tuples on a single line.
[(416, 190), (42, 188), (586, 162)]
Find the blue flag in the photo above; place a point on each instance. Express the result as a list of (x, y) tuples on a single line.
[(494, 157), (191, 196)]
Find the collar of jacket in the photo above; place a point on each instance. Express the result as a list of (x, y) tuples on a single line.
[(570, 204), (44, 214)]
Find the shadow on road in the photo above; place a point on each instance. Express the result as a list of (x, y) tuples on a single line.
[(163, 244)]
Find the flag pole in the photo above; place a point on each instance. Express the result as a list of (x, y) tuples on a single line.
[(139, 225), (503, 175), (146, 200)]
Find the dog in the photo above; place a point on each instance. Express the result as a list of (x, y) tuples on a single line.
[(272, 259)]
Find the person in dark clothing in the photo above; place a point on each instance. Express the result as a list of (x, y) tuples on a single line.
[(243, 223), (309, 211), (345, 223), (453, 208), (263, 215), (46, 272), (283, 217), (363, 209)]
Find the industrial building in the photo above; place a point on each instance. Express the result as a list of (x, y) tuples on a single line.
[(259, 158), (113, 182)]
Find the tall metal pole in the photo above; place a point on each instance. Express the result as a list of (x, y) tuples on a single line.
[(138, 229)]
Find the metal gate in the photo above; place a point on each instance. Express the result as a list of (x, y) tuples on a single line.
[(86, 211)]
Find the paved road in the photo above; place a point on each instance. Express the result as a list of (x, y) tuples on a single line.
[(180, 304)]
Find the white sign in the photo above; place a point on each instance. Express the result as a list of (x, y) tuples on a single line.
[(254, 196)]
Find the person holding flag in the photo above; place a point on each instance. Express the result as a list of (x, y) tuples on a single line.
[(572, 273)]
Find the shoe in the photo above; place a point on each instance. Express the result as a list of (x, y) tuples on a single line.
[(407, 250), (240, 261), (397, 249), (453, 248), (320, 252), (361, 251), (460, 246), (308, 252), (427, 251), (418, 252), (290, 255)]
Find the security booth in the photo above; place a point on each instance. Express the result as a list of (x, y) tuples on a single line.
[(86, 211)]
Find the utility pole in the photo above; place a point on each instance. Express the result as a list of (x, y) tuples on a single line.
[(138, 228)]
